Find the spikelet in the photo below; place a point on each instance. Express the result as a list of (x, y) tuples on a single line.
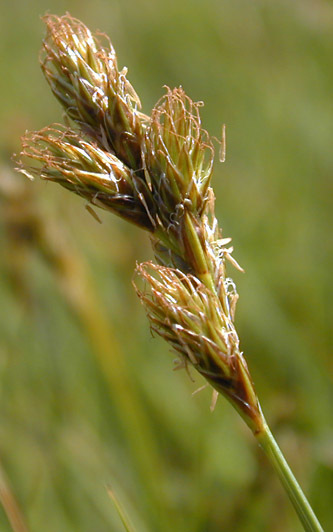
[(184, 312), (178, 154), (59, 154), (84, 76)]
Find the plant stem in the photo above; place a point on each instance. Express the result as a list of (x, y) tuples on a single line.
[(293, 489), (123, 517)]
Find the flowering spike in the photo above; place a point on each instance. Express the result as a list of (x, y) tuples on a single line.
[(184, 311), (178, 154), (60, 155), (84, 76)]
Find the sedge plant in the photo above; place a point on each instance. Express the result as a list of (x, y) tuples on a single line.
[(154, 171)]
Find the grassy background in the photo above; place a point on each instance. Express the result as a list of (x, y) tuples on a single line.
[(87, 398)]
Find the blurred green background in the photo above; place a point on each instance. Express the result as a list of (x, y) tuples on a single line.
[(88, 400)]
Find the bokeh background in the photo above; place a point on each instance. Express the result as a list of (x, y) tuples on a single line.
[(88, 399)]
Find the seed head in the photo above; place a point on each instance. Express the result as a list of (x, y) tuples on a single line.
[(190, 317), (84, 76), (61, 155), (154, 171), (178, 156)]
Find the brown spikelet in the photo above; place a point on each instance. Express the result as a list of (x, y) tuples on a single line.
[(178, 155), (84, 76), (183, 310), (59, 154)]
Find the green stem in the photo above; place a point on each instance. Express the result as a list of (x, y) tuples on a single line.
[(123, 517), (293, 489)]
